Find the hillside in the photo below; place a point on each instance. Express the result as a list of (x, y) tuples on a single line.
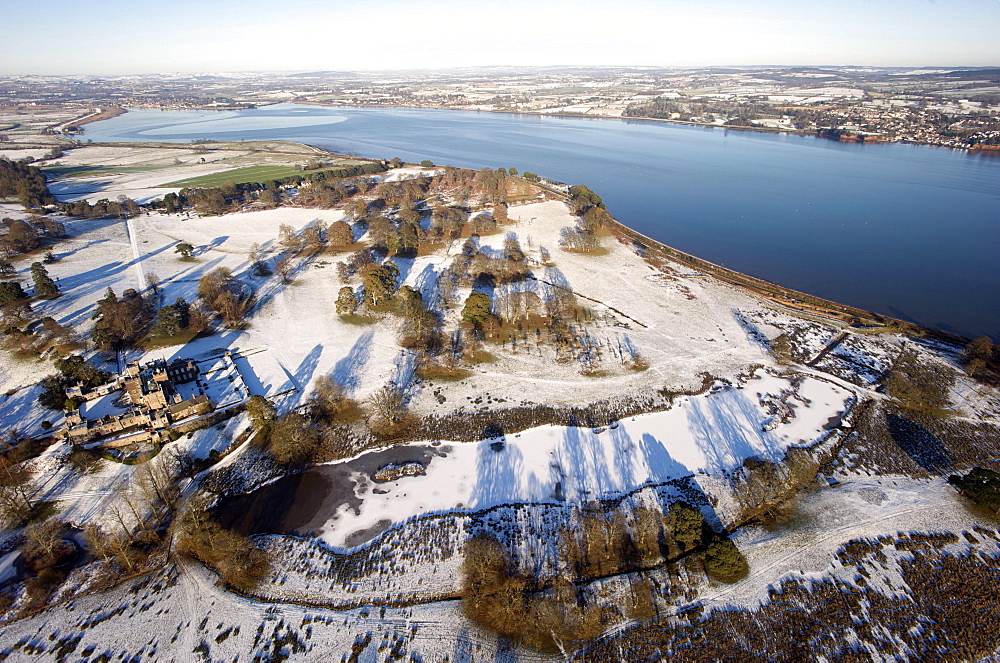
[(447, 399)]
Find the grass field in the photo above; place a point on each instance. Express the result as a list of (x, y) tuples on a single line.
[(257, 174), (60, 172)]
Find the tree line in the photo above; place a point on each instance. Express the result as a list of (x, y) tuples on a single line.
[(25, 183)]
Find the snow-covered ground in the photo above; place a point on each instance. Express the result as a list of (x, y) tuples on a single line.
[(682, 324), (708, 433)]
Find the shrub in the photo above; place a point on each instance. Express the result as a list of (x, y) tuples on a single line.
[(980, 485), (724, 561)]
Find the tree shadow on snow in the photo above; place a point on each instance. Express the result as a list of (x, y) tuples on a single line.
[(919, 443), (348, 371), (498, 469)]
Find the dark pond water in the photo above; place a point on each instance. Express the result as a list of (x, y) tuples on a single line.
[(909, 231)]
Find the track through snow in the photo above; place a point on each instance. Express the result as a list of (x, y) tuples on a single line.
[(133, 241)]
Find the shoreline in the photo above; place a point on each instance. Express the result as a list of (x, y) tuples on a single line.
[(815, 133), (799, 301)]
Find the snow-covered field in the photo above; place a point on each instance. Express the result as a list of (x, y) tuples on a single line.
[(690, 325)]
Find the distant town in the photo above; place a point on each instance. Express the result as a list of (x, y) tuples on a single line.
[(958, 108)]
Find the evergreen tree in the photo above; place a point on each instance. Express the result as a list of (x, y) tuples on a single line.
[(347, 303), (172, 319), (980, 485), (686, 523), (724, 561), (379, 282), (10, 292), (44, 285), (477, 309)]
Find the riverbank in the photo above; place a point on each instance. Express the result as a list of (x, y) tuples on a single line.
[(818, 133), (796, 300), (793, 299), (98, 114)]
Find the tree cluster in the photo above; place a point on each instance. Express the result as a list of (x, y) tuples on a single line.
[(979, 353), (492, 184), (25, 183), (578, 240), (508, 596), (43, 551), (240, 563), (121, 207), (446, 223), (16, 496), (292, 439), (473, 264), (121, 322), (36, 338), (326, 193), (73, 370), (24, 236), (401, 192), (421, 326), (980, 485), (226, 295), (324, 188), (582, 198), (394, 236)]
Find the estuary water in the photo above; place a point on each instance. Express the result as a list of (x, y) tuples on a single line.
[(904, 230)]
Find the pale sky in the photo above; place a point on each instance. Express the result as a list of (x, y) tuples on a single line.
[(143, 36)]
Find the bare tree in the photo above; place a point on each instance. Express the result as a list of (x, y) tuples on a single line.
[(153, 283), (289, 239), (110, 546), (43, 539), (293, 438), (388, 403), (15, 495), (156, 479), (283, 267), (135, 505), (314, 236), (98, 542)]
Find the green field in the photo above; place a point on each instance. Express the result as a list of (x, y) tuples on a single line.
[(60, 172), (256, 174)]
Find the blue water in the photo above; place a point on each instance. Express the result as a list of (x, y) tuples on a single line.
[(905, 230)]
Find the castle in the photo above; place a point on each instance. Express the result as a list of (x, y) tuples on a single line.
[(156, 403)]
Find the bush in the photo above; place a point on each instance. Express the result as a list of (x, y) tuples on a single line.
[(240, 563), (293, 439), (980, 485), (83, 459), (918, 385), (495, 596), (724, 561)]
